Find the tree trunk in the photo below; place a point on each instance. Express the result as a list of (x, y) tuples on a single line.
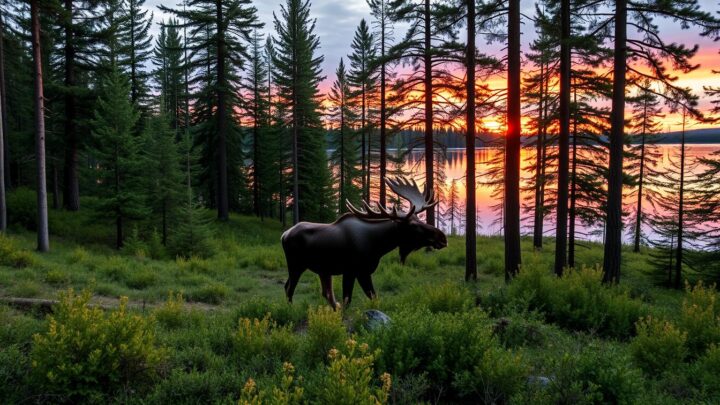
[(383, 112), (43, 238), (613, 241), (681, 209), (222, 189), (5, 182), (539, 199), (512, 146), (563, 141), (573, 188), (341, 205), (256, 152), (3, 204), (429, 153), (638, 212), (55, 187), (365, 168), (470, 221)]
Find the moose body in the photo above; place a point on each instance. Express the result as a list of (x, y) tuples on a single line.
[(353, 245)]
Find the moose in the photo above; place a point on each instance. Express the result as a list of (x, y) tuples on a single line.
[(353, 245)]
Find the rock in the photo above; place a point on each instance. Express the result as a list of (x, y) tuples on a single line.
[(539, 380), (376, 319)]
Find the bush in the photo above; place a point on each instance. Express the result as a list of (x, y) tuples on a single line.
[(22, 208), (325, 331), (454, 351), (86, 353), (14, 374), (11, 255), (707, 371), (700, 319), (577, 301), (658, 346), (280, 312), (211, 293), (262, 345), (348, 378), (172, 313), (597, 374), (290, 391), (446, 297)]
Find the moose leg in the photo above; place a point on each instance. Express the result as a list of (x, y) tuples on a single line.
[(348, 284), (294, 274), (365, 281), (327, 290)]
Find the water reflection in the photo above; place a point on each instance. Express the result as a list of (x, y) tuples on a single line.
[(489, 196)]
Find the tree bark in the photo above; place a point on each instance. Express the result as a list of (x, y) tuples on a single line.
[(563, 141), (71, 187), (638, 211), (429, 152), (222, 191), (43, 238), (573, 188), (613, 241), (383, 119), (470, 221), (512, 146), (681, 210), (539, 198)]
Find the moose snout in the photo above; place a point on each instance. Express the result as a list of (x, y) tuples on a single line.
[(440, 241)]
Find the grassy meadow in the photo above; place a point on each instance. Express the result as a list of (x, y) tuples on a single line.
[(217, 329)]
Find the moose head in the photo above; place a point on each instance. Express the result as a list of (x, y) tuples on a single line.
[(414, 234), (353, 245)]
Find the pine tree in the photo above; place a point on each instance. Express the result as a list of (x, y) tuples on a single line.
[(3, 166), (297, 74), (219, 32), (169, 73), (120, 165), (645, 123), (136, 48), (646, 45), (383, 12), (163, 170), (256, 107), (343, 140), (43, 236), (363, 80), (470, 209)]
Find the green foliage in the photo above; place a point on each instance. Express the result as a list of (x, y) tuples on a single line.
[(438, 345), (288, 392), (192, 233), (172, 313), (349, 377), (707, 371), (325, 330), (595, 374), (11, 255), (260, 344), (120, 169), (658, 346), (22, 207), (86, 353), (578, 300), (211, 293), (700, 318), (281, 313), (445, 297)]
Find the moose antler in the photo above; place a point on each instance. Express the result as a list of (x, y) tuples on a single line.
[(378, 212), (409, 190)]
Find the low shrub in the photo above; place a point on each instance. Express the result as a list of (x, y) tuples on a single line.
[(22, 208), (288, 392), (325, 330), (171, 313), (261, 345), (446, 297), (707, 371), (700, 318), (280, 312), (14, 374), (658, 346), (578, 300), (350, 378), (87, 353), (457, 352), (211, 293), (141, 278), (78, 255), (56, 277), (595, 374), (11, 255)]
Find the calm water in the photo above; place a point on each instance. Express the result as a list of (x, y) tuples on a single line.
[(489, 197)]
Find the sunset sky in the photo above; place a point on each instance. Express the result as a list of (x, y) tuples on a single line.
[(338, 19)]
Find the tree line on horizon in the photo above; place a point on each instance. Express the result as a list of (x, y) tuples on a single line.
[(221, 112)]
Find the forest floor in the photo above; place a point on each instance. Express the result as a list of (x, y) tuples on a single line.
[(539, 339)]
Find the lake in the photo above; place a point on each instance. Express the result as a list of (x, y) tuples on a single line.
[(489, 197)]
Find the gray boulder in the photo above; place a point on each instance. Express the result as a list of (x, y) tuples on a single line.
[(376, 319)]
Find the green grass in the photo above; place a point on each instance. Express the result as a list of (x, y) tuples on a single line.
[(567, 330)]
